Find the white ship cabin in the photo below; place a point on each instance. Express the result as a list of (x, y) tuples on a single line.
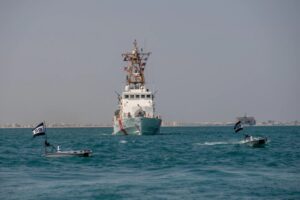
[(137, 102)]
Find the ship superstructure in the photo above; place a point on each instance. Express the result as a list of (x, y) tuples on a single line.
[(136, 112)]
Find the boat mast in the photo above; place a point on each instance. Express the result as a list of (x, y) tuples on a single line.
[(45, 138), (137, 60)]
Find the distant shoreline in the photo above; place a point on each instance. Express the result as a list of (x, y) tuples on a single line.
[(58, 127), (179, 126)]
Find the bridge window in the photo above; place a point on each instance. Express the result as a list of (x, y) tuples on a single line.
[(137, 96), (148, 96), (131, 96), (126, 96), (143, 96)]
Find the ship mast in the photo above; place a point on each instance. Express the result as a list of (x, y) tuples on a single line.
[(135, 68)]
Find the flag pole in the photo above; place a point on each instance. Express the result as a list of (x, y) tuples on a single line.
[(45, 138)]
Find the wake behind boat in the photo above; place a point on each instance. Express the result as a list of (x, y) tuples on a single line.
[(56, 152)]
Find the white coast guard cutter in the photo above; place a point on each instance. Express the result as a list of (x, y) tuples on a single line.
[(136, 110)]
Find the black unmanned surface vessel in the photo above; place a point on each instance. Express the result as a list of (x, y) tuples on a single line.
[(250, 140), (56, 152)]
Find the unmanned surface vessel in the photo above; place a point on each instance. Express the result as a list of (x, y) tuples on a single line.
[(250, 140), (255, 141), (56, 152)]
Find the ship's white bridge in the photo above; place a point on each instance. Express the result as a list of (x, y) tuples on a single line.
[(137, 102)]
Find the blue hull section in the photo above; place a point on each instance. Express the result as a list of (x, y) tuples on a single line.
[(137, 126)]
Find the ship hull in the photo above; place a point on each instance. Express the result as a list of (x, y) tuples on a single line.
[(137, 126)]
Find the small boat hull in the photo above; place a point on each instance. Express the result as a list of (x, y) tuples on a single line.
[(256, 141), (79, 153)]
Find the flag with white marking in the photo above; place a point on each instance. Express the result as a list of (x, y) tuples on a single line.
[(39, 130)]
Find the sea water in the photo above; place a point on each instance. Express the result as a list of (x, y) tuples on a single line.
[(179, 163)]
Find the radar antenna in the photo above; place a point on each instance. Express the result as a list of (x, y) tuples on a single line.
[(136, 63)]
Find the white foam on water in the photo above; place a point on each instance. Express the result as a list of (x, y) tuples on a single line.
[(242, 142), (105, 134), (123, 141), (219, 143), (214, 143)]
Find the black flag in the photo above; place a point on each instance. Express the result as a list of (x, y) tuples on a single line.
[(238, 126)]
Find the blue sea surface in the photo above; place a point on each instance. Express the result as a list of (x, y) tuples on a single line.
[(179, 163)]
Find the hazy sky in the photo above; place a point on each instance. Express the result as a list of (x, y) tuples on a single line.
[(60, 61)]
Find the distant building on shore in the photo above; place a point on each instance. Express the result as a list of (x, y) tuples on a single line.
[(247, 120)]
